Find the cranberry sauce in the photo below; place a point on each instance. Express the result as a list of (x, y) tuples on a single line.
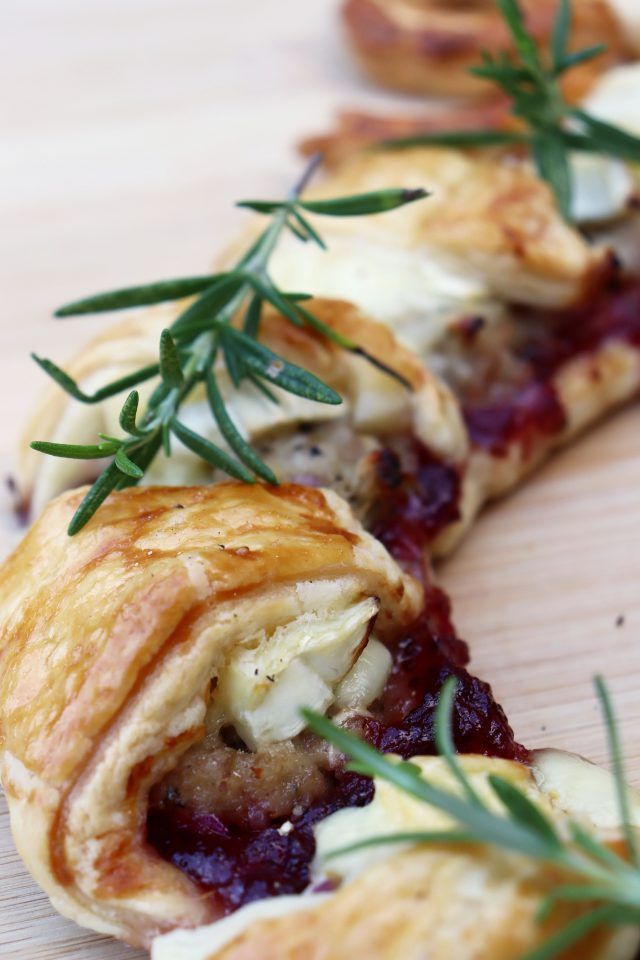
[(415, 501), (546, 340), (424, 657), (521, 416), (557, 337), (235, 864)]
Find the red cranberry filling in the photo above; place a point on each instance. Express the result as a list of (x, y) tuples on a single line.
[(415, 503), (546, 341)]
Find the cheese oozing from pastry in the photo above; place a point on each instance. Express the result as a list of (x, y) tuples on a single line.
[(419, 294), (616, 96), (604, 187), (306, 663), (494, 886)]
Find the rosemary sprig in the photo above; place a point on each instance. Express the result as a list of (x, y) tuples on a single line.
[(552, 127), (604, 880), (203, 332)]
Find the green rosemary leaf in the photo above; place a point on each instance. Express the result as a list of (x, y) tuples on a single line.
[(200, 316), (615, 751), (309, 229), (127, 466), (572, 60), (261, 206), (579, 893), (265, 288), (594, 848), (234, 438), (142, 455), (297, 232), (233, 359), (561, 33), (364, 204), (503, 73), (70, 386), (263, 388), (290, 377), (252, 317), (572, 933), (347, 344), (610, 139), (210, 452), (298, 297), (166, 439), (552, 160), (170, 369), (525, 43), (106, 482), (129, 413), (137, 296), (74, 451), (456, 138), (444, 738), (524, 811), (416, 836)]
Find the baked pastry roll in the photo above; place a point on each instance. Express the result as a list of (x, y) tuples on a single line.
[(303, 441), (428, 46), (490, 399), (152, 670), (429, 902), (113, 642)]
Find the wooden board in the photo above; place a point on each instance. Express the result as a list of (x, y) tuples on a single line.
[(129, 128)]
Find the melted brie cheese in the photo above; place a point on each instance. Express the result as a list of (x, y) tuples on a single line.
[(616, 96), (628, 11), (602, 188), (393, 811), (264, 685), (419, 293)]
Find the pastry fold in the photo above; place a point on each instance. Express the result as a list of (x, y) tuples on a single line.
[(111, 648), (428, 46)]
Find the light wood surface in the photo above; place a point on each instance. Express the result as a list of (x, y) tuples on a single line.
[(128, 128)]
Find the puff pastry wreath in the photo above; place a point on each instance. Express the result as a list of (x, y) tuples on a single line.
[(428, 46)]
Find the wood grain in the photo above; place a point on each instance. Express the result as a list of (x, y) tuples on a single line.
[(129, 127)]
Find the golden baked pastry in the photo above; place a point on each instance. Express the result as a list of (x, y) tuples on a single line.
[(430, 902), (174, 612), (490, 228), (428, 46), (338, 439)]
